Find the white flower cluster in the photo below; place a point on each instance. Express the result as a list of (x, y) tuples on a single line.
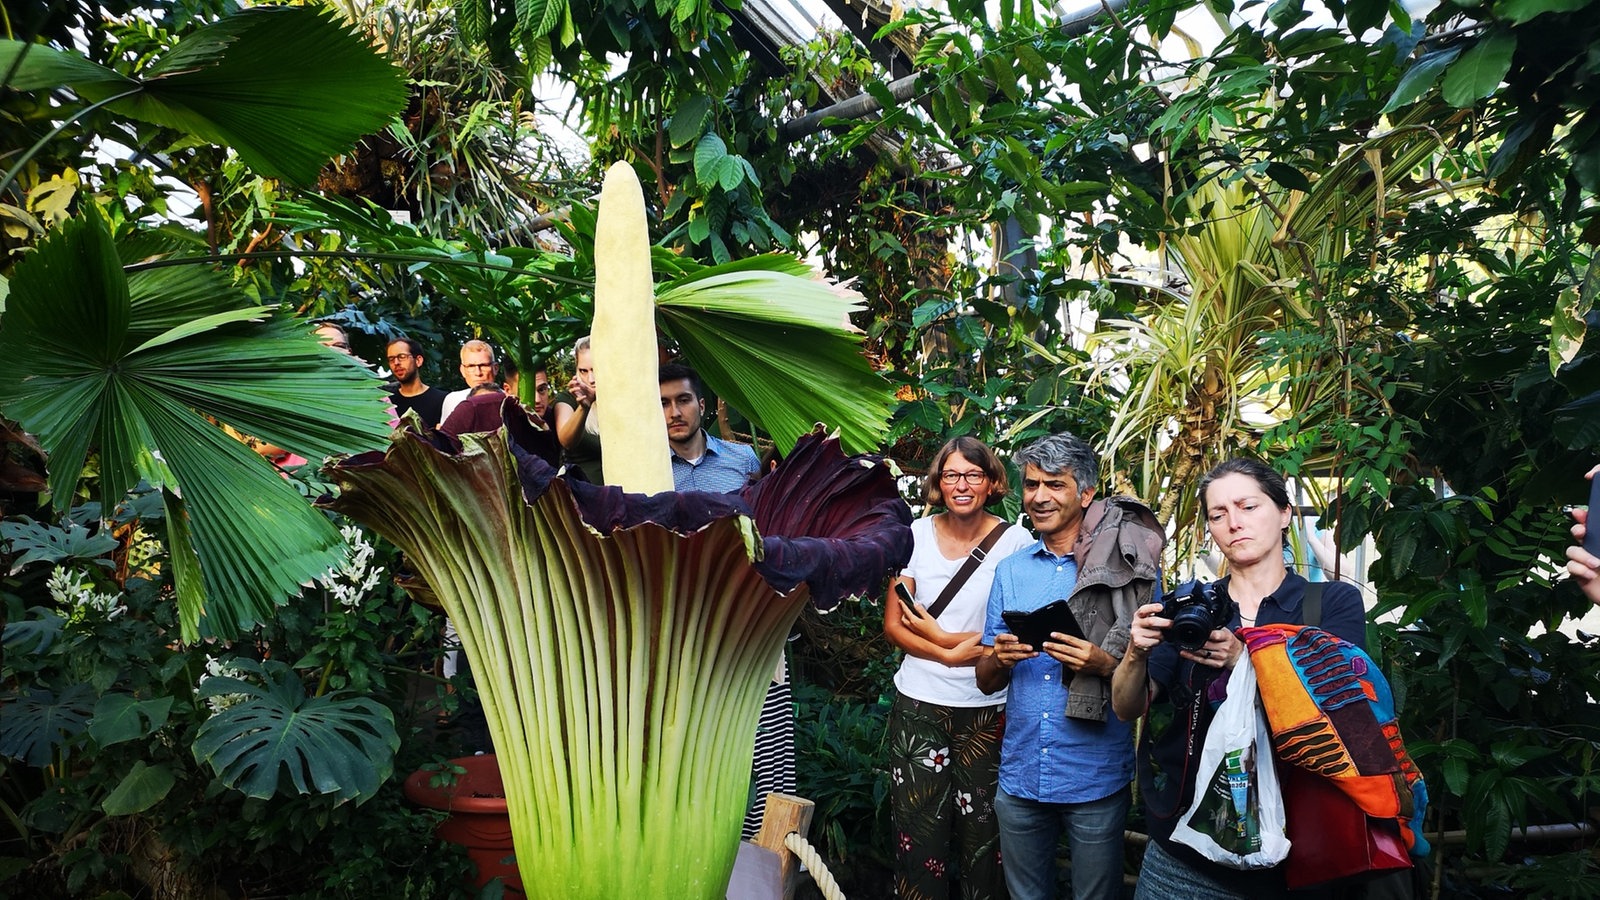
[(221, 702), (353, 580), (71, 587)]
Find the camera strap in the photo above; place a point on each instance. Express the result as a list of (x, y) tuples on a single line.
[(973, 561), (1311, 604)]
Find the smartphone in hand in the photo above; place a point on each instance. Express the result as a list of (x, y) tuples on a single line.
[(905, 597), (1591, 536)]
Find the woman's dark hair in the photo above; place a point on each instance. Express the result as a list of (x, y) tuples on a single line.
[(1268, 478), (973, 451)]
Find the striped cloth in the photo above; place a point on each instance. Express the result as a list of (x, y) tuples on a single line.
[(774, 760)]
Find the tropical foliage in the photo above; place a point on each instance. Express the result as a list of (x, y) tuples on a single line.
[(1357, 244)]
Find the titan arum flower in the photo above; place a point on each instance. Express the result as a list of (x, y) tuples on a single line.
[(622, 641)]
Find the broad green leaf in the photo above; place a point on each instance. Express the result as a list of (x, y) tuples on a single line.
[(708, 156), (1420, 77), (33, 635), (143, 378), (1364, 14), (1520, 11), (43, 68), (1288, 176), (285, 87), (1567, 327), (123, 717), (143, 787), (338, 745), (1479, 71), (530, 15), (188, 586), (774, 344), (39, 722), (730, 173), (472, 20), (69, 542), (689, 119), (1032, 62)]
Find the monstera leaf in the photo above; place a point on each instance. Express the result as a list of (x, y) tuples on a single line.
[(333, 744), (39, 722), (37, 542), (34, 634)]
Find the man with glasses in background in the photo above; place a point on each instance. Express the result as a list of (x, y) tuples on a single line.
[(477, 367), (404, 357)]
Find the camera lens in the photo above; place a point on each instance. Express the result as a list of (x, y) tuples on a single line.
[(1190, 628)]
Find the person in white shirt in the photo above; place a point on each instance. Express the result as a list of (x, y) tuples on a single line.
[(944, 733), (477, 367)]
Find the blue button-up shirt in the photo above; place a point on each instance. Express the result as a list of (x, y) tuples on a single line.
[(1045, 755), (724, 467)]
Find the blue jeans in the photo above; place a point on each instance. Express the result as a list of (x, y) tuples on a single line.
[(1030, 833)]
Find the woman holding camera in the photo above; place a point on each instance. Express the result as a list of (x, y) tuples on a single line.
[(1247, 512), (944, 733)]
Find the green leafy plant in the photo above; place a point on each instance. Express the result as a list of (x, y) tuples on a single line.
[(341, 746)]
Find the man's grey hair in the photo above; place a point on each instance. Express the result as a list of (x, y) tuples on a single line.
[(1059, 453), (474, 345), (580, 346)]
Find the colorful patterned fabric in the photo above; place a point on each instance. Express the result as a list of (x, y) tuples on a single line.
[(1331, 712)]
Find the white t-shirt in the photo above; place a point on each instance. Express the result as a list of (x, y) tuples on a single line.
[(453, 400), (924, 679)]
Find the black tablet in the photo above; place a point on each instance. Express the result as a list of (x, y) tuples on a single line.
[(1034, 628)]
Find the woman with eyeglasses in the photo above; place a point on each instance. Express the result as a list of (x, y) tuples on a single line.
[(944, 733)]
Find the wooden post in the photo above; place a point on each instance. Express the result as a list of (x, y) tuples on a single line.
[(785, 813)]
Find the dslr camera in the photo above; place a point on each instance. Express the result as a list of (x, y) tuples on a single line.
[(1196, 609)]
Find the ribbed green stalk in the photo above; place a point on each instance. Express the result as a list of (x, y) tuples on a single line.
[(621, 675)]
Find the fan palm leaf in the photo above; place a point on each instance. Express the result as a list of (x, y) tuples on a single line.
[(777, 345), (141, 369), (285, 87)]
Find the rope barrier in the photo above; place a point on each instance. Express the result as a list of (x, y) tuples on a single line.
[(818, 869)]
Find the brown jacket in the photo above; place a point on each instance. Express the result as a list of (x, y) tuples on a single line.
[(1118, 552)]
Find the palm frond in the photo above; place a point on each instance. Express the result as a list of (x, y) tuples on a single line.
[(143, 372), (38, 67), (285, 87), (778, 347)]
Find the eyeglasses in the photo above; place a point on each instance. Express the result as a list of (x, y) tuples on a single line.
[(477, 365), (972, 478), (541, 389), (399, 356)]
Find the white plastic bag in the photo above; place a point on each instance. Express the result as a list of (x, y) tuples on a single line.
[(1237, 815)]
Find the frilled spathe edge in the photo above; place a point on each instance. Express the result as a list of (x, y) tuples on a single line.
[(832, 522)]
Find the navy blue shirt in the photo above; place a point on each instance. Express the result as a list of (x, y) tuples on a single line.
[(1045, 755), (1168, 761)]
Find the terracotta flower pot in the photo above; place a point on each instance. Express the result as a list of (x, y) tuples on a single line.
[(478, 820)]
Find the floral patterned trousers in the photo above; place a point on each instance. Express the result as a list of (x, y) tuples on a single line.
[(945, 767)]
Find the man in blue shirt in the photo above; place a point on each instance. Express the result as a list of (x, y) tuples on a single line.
[(1065, 762), (700, 462)]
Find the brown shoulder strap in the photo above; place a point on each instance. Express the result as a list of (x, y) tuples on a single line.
[(973, 561)]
